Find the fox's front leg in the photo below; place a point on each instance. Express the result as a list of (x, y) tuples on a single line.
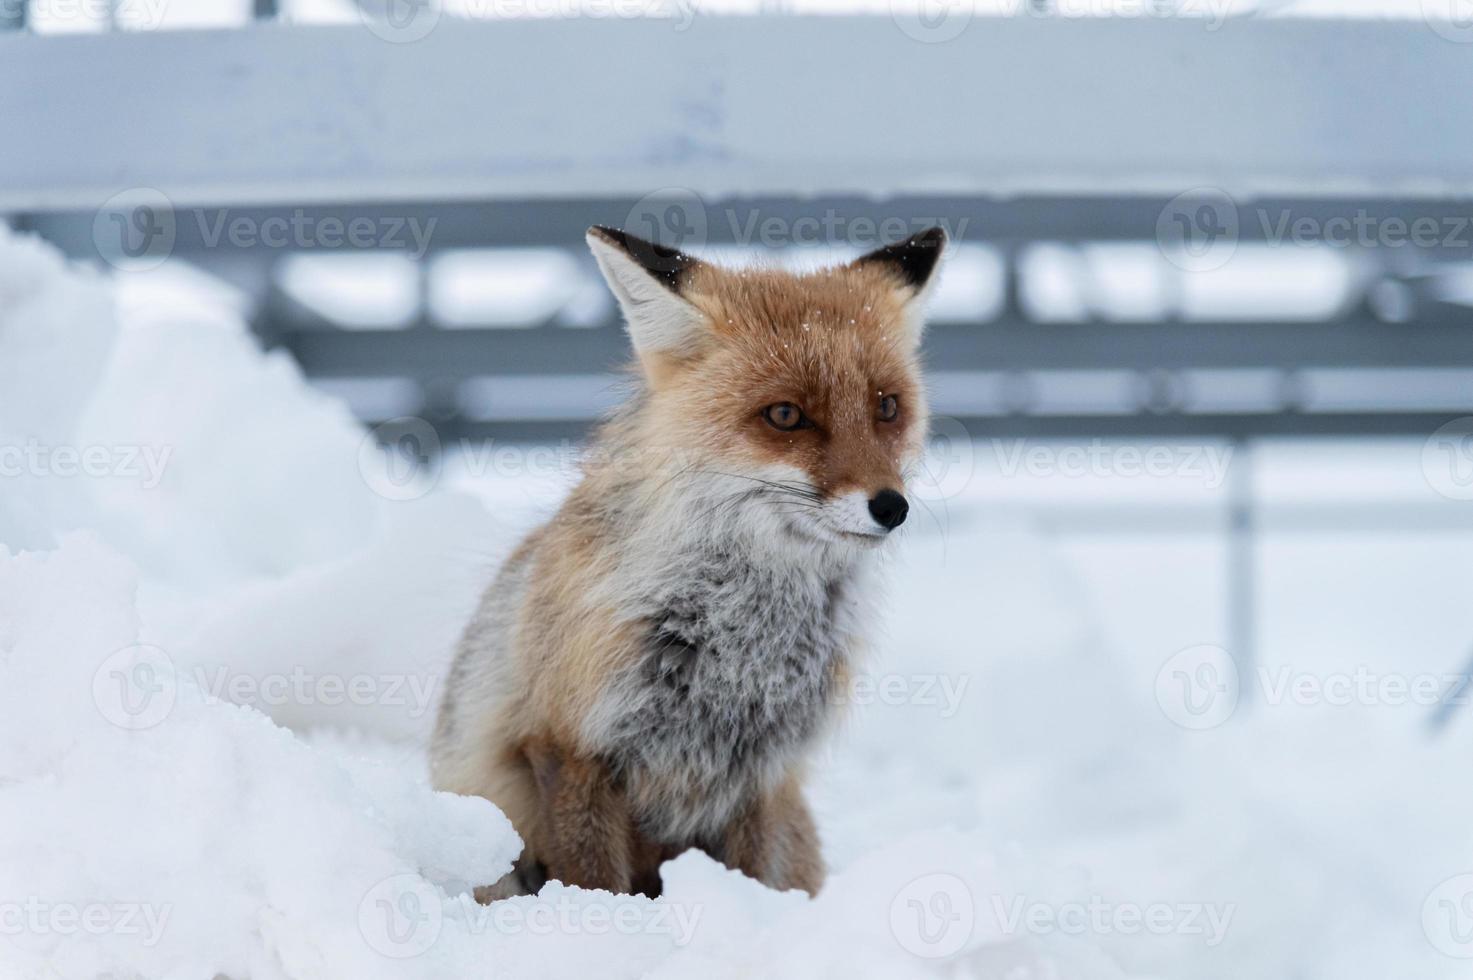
[(775, 841), (586, 835)]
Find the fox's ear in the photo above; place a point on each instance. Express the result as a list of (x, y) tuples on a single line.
[(649, 281), (912, 262)]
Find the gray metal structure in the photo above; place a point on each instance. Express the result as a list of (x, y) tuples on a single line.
[(1423, 332), (1177, 131)]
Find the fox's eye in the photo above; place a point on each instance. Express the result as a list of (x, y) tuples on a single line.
[(889, 408), (785, 416)]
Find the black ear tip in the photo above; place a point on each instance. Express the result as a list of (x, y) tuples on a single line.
[(913, 260), (666, 264), (933, 237), (637, 247), (612, 236)]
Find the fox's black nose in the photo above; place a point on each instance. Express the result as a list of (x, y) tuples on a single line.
[(888, 508)]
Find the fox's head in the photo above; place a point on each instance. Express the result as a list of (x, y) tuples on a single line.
[(792, 398)]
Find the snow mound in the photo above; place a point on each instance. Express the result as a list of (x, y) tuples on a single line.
[(155, 833), (268, 562), (192, 555)]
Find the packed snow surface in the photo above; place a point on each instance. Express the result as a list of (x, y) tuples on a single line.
[(224, 617)]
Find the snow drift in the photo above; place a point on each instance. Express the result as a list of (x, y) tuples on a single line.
[(191, 557)]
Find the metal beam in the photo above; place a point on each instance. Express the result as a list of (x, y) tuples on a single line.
[(1180, 427), (1001, 346), (211, 234), (737, 106), (1241, 566)]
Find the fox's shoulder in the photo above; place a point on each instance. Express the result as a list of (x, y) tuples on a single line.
[(569, 632)]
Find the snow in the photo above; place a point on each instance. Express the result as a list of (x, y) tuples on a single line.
[(220, 651), (217, 672)]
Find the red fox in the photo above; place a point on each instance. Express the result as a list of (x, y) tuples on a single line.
[(648, 668)]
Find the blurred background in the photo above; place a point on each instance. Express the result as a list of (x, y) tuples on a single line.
[(1197, 511)]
